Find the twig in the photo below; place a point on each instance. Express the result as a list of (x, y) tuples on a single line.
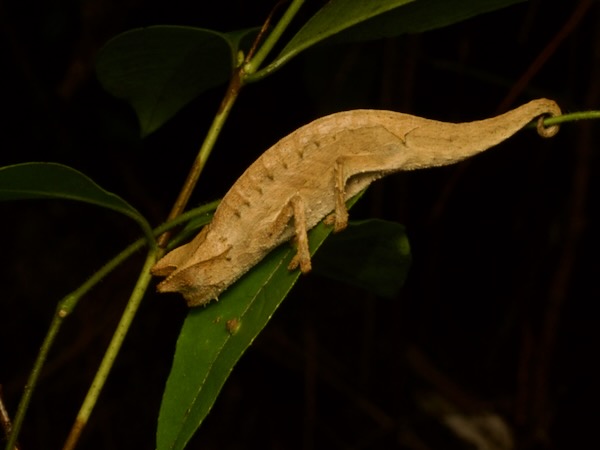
[(203, 154), (67, 305), (570, 117), (64, 308), (263, 30), (111, 353), (5, 420), (252, 66)]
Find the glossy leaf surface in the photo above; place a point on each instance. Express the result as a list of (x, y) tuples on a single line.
[(214, 337), (357, 20), (371, 254), (160, 69), (50, 180)]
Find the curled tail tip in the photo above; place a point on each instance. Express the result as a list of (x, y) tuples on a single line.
[(548, 108), (546, 131), (547, 104)]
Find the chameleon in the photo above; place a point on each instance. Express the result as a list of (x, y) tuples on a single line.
[(308, 176)]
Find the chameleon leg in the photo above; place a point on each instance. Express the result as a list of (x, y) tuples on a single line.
[(354, 173), (340, 219), (302, 256)]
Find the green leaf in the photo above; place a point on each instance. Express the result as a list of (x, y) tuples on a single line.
[(420, 16), (160, 69), (50, 180), (371, 254), (334, 17), (359, 20), (213, 338)]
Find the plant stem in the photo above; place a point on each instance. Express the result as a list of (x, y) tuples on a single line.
[(571, 117), (67, 305), (64, 308), (112, 351), (253, 65), (204, 152), (237, 81), (5, 418), (564, 118)]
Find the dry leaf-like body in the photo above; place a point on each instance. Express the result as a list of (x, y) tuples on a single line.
[(310, 174)]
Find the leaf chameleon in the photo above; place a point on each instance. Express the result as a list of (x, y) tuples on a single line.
[(308, 176)]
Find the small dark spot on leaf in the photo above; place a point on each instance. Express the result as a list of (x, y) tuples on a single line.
[(233, 325)]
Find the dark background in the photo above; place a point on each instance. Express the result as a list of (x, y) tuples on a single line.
[(497, 316)]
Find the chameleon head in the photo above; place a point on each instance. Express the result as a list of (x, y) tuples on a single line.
[(186, 283), (200, 270), (199, 281)]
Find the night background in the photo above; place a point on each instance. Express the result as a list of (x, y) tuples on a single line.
[(496, 321)]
